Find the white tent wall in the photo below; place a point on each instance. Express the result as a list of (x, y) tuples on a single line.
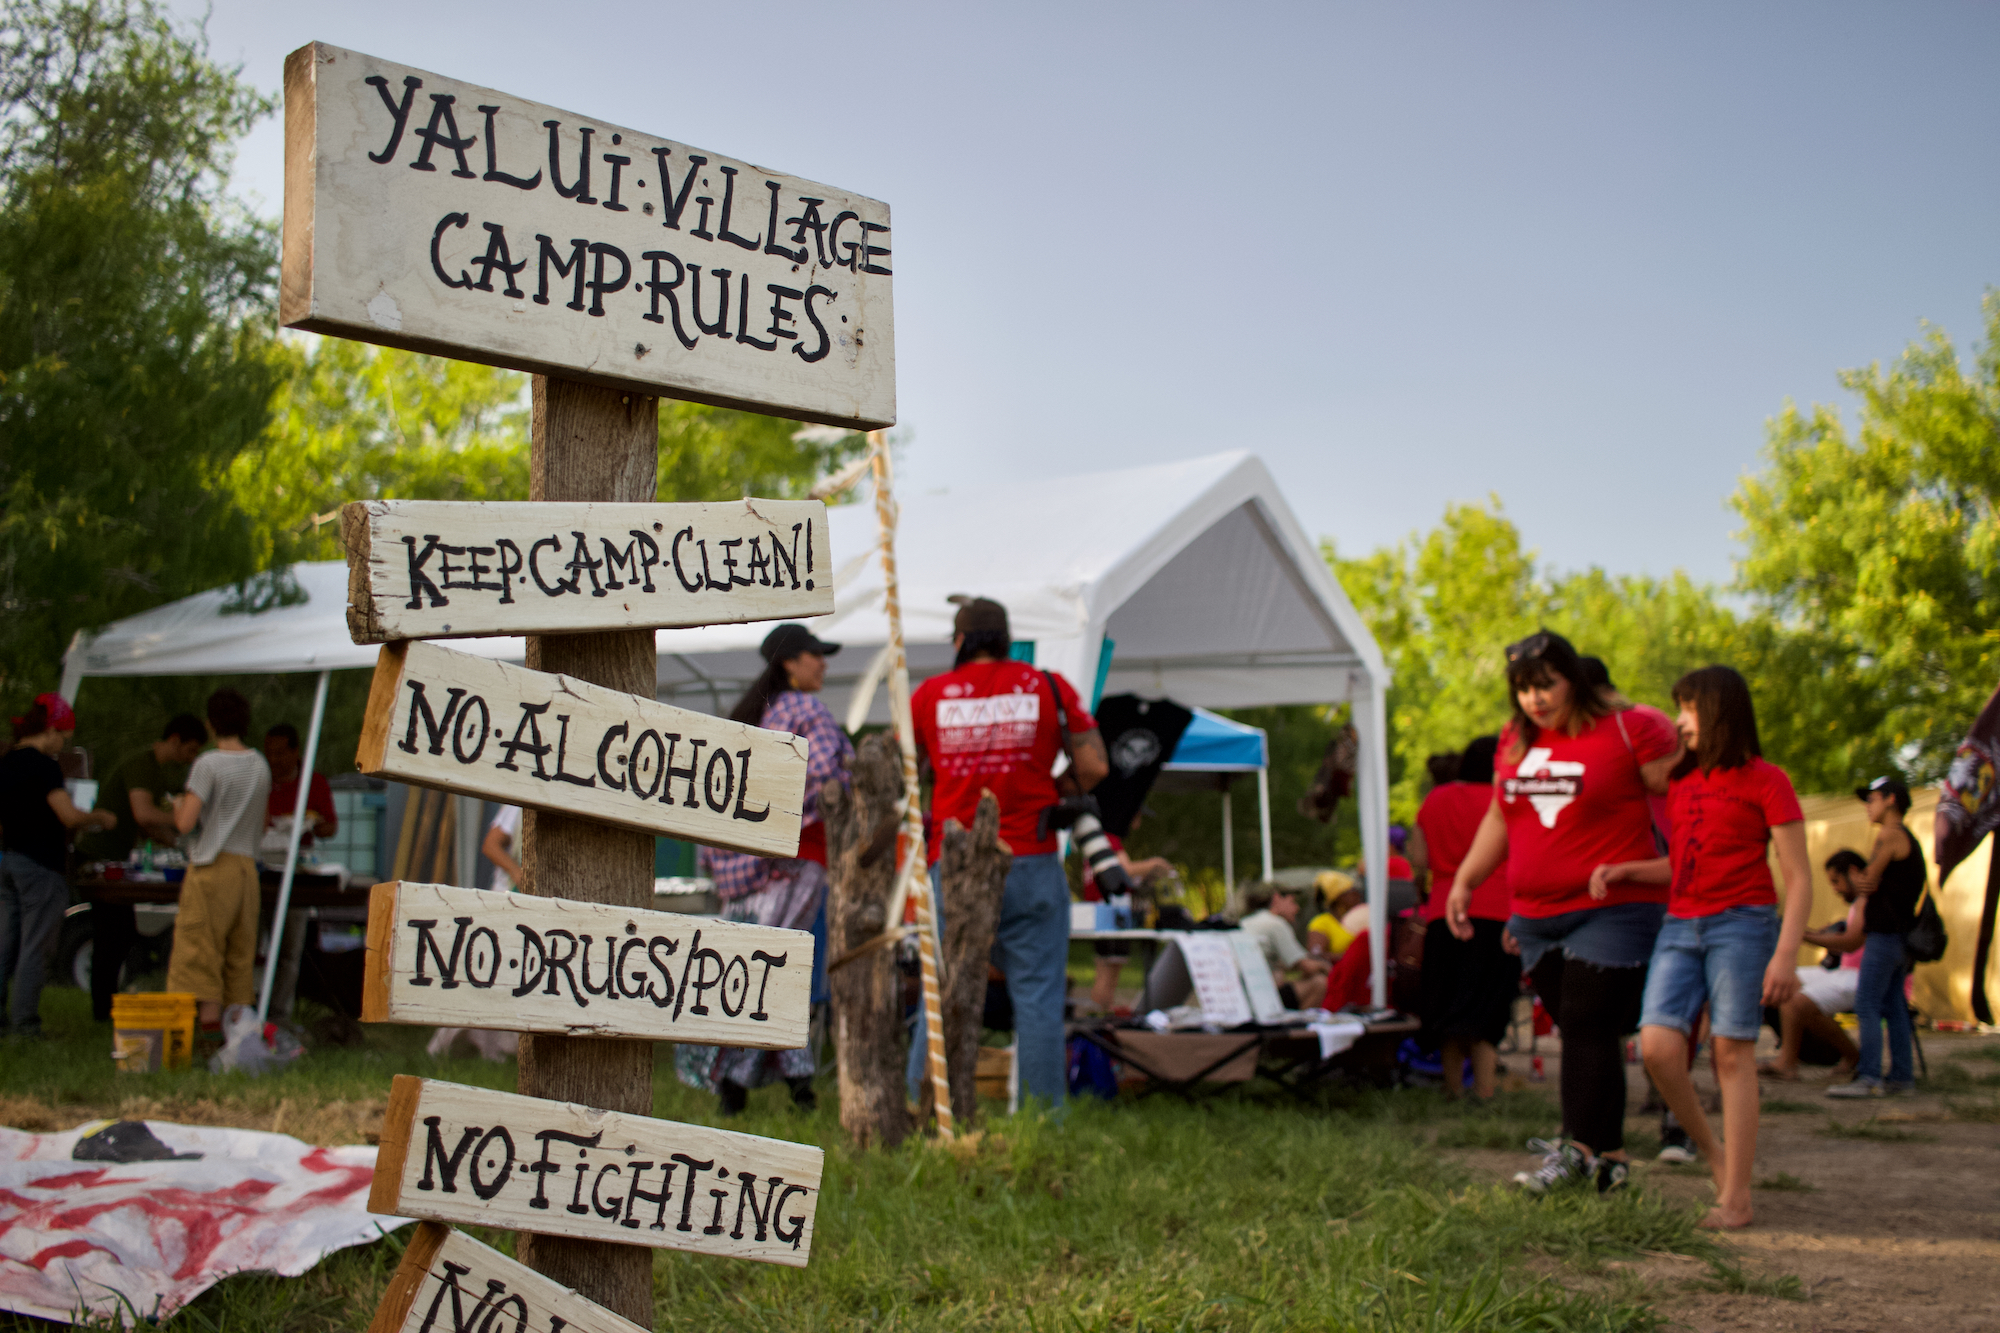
[(1197, 571)]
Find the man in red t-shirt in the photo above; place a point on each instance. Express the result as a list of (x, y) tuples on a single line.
[(993, 724), (281, 752)]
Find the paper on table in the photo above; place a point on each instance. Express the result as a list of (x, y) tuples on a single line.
[(1337, 1035), (1264, 998), (1211, 964)]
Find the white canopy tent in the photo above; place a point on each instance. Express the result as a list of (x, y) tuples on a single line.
[(1194, 576)]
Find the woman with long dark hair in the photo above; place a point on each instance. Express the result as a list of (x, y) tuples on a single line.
[(1722, 947), (784, 892), (1469, 986), (1573, 768)]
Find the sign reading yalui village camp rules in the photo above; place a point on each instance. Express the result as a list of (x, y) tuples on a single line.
[(441, 718), (428, 213), (453, 957), (452, 1153), (427, 569), (450, 1283)]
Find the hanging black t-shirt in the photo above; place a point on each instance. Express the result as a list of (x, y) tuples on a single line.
[(1139, 736), (1892, 908), (27, 776)]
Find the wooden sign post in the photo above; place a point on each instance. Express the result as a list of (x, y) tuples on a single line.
[(450, 1283), (441, 718), (450, 957), (452, 1153), (581, 253), (438, 569)]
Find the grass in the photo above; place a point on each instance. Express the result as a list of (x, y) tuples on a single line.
[(1785, 1106), (1978, 1113), (1948, 1076), (1727, 1277), (1874, 1130), (1979, 1053), (1236, 1215), (1785, 1180)]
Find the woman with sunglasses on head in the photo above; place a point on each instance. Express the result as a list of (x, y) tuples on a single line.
[(1574, 767)]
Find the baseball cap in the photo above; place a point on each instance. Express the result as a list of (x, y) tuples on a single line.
[(1893, 787), (789, 640), (61, 716), (978, 613)]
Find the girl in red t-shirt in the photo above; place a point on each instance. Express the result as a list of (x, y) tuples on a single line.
[(1570, 785), (1722, 945), (1469, 986)]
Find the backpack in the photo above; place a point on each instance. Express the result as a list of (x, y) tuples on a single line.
[(1926, 940)]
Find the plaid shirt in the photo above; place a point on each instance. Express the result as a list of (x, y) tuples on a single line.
[(739, 874)]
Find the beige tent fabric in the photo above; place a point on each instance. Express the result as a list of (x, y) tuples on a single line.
[(1944, 988)]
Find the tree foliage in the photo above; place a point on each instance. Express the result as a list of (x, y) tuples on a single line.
[(134, 357), (1881, 548)]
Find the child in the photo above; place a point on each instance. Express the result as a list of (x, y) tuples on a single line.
[(1722, 944)]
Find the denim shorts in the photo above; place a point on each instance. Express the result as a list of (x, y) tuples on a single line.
[(1615, 935), (1715, 960)]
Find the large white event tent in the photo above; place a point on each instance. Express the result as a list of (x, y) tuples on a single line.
[(1194, 576)]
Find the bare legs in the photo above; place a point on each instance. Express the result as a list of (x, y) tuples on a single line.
[(1105, 988), (1799, 1016), (1734, 1157), (1484, 1061)]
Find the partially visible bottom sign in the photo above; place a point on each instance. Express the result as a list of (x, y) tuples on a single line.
[(450, 1283)]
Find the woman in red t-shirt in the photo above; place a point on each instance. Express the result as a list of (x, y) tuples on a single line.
[(1722, 945), (1570, 785), (1469, 986)]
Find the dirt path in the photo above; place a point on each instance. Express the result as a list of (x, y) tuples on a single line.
[(1887, 1212)]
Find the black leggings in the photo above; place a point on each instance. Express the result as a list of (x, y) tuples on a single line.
[(1595, 1007)]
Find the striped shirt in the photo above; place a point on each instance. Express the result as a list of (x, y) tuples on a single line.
[(234, 787)]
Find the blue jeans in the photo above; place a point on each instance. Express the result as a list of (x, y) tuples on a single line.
[(1031, 945), (1717, 960), (32, 901), (1878, 997)]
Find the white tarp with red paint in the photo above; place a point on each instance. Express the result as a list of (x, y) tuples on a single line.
[(137, 1218)]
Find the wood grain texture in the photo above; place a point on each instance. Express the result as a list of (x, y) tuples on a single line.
[(477, 1157), (586, 445), (429, 569), (554, 742), (423, 228), (450, 1282), (867, 1002), (395, 1145), (972, 879), (453, 957)]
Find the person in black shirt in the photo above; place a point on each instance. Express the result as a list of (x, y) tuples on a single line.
[(1892, 883), (37, 816)]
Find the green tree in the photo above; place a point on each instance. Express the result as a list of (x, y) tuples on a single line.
[(1881, 549), (355, 422), (713, 453), (134, 352)]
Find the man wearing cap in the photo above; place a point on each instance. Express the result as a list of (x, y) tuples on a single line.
[(994, 724), (1890, 885)]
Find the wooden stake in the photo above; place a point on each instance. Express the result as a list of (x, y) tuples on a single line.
[(910, 873), (592, 444)]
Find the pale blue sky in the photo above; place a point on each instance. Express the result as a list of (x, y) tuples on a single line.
[(1409, 253)]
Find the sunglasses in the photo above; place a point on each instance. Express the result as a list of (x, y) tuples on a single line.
[(1531, 647)]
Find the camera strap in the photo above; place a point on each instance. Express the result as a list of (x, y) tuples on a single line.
[(1067, 782)]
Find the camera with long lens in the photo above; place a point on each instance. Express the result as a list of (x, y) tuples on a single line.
[(1079, 814)]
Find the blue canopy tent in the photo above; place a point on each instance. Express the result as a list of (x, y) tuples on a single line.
[(1212, 753)]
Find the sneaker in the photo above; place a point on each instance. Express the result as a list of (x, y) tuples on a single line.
[(1860, 1087), (1679, 1154), (1562, 1164), (1612, 1175)]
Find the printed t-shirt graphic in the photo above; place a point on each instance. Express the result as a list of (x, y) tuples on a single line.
[(1573, 803), (992, 726), (1722, 822)]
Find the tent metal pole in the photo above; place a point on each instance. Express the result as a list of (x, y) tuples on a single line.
[(1264, 815), (1228, 850), (284, 903), (1372, 786)]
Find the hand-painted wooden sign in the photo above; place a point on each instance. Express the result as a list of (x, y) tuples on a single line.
[(451, 1153), (452, 957), (446, 719), (450, 1283), (433, 569), (436, 215)]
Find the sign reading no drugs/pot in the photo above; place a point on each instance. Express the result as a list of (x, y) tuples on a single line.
[(427, 213)]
